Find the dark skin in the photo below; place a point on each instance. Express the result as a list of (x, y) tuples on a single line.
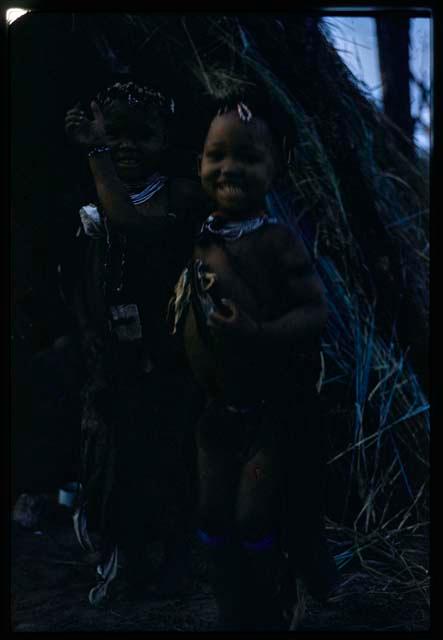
[(237, 168), (238, 165), (137, 139)]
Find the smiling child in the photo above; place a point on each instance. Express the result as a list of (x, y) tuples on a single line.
[(252, 310)]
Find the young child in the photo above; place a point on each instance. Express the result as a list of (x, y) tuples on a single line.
[(138, 398), (252, 310)]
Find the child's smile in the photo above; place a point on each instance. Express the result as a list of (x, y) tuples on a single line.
[(237, 165), (230, 190), (128, 159), (136, 138)]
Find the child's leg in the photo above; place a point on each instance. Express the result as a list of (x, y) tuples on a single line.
[(218, 473), (304, 465), (257, 498), (257, 517), (219, 468)]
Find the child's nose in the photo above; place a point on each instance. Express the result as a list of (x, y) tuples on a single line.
[(128, 143), (231, 168)]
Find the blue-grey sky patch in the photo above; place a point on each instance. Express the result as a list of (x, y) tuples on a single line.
[(356, 41)]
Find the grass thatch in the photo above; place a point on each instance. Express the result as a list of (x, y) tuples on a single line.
[(362, 206)]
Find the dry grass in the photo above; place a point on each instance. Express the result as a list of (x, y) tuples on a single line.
[(362, 206)]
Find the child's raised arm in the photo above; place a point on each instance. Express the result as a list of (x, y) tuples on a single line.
[(111, 191)]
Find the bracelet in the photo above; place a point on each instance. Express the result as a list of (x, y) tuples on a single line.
[(96, 150)]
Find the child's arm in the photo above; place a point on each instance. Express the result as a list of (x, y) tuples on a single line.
[(188, 197), (299, 294), (112, 193), (302, 295)]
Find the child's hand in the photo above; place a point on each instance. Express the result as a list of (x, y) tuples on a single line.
[(235, 321), (85, 132)]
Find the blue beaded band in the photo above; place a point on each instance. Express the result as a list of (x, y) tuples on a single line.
[(211, 541), (260, 545)]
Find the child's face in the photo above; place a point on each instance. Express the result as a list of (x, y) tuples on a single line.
[(136, 137), (237, 166)]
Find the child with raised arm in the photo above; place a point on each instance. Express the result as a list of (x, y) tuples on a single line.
[(252, 310), (138, 397)]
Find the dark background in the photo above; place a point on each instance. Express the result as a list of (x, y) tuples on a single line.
[(57, 59)]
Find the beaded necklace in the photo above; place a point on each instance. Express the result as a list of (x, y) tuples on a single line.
[(155, 183), (234, 229)]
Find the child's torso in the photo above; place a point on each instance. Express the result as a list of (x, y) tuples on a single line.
[(133, 275), (235, 368)]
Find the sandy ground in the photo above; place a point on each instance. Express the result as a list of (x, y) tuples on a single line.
[(50, 580)]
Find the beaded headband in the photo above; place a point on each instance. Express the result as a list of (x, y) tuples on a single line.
[(244, 113), (134, 95)]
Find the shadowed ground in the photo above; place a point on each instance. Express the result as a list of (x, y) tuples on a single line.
[(51, 578)]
